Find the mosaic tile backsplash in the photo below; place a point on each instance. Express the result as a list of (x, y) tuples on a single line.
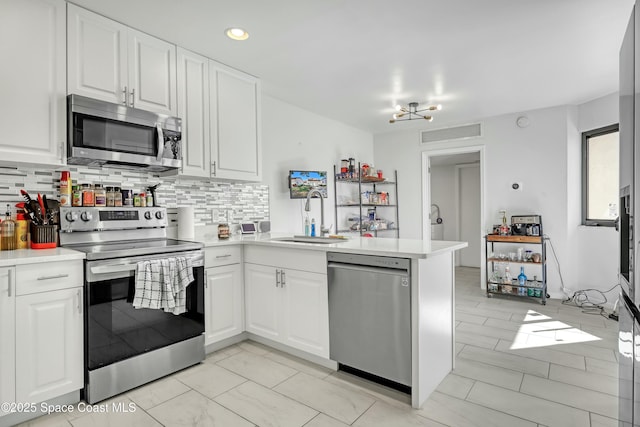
[(232, 202)]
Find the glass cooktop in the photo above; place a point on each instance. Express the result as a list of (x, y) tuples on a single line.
[(128, 248)]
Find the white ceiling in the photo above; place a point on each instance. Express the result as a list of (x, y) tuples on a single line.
[(353, 60)]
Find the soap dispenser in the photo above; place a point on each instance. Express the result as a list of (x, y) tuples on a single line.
[(306, 226)]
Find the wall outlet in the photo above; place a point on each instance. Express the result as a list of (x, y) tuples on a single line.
[(214, 215)]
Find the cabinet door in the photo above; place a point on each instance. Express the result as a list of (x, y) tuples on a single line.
[(152, 73), (261, 301), (32, 81), (7, 335), (306, 311), (224, 314), (193, 108), (49, 354), (97, 56), (236, 151)]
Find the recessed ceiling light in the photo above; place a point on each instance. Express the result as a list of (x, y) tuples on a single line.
[(237, 34)]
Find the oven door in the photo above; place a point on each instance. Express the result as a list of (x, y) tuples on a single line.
[(115, 330)]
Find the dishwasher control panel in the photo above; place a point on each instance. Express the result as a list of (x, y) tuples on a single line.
[(369, 260)]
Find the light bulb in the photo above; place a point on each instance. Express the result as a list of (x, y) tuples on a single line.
[(237, 34), (398, 107), (428, 118)]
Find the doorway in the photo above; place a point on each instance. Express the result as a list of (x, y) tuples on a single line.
[(453, 192)]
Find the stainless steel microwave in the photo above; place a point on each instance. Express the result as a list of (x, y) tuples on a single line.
[(101, 133)]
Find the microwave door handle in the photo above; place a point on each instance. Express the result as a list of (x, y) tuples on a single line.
[(160, 142)]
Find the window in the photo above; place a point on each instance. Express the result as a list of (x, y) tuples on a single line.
[(600, 176)]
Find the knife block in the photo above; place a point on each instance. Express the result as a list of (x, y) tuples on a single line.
[(44, 236)]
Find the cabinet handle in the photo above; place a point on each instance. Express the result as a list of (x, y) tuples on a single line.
[(79, 301), (223, 256), (282, 278), (57, 276), (126, 94), (277, 278), (9, 278), (133, 98), (213, 165)]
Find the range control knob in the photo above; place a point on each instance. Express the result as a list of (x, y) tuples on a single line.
[(159, 215), (86, 216), (71, 216), (147, 215)]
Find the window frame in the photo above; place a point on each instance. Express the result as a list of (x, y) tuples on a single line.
[(585, 174)]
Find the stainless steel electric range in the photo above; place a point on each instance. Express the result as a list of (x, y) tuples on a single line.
[(126, 347)]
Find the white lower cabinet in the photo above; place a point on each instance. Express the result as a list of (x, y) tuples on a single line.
[(224, 314), (41, 331), (224, 293), (288, 306), (7, 335), (49, 356)]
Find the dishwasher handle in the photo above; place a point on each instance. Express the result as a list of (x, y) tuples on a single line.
[(369, 269)]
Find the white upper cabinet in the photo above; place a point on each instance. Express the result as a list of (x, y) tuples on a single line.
[(97, 62), (193, 108), (152, 73), (236, 148), (32, 81), (115, 63)]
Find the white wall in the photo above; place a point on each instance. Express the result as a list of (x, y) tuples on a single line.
[(597, 249), (296, 139), (544, 158)]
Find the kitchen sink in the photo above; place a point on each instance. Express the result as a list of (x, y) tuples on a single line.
[(309, 239)]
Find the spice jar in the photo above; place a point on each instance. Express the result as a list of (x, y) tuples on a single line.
[(149, 199), (100, 196), (223, 231), (110, 197), (117, 197), (127, 198), (143, 200), (87, 195), (76, 196), (136, 200)]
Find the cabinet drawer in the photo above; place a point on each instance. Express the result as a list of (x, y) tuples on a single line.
[(33, 278), (305, 260), (224, 255)]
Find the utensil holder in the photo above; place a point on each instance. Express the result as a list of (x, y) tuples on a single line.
[(44, 236)]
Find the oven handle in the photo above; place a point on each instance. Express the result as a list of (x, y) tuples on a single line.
[(160, 142), (131, 266)]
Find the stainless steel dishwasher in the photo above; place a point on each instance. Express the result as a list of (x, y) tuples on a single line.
[(370, 315)]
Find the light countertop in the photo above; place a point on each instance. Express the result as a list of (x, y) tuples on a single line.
[(406, 248), (34, 256)]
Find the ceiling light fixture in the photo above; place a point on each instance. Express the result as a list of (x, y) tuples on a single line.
[(411, 112), (237, 34)]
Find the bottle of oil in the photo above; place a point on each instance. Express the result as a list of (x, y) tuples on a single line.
[(8, 232)]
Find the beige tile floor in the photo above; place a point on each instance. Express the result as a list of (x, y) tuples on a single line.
[(518, 363)]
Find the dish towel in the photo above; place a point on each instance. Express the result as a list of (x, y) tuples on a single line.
[(162, 284)]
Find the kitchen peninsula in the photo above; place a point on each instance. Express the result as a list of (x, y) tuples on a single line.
[(285, 297)]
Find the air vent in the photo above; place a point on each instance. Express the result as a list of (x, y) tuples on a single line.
[(449, 134)]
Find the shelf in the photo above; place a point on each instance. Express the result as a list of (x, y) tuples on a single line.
[(513, 239), (514, 262), (357, 205), (371, 180), (515, 284)]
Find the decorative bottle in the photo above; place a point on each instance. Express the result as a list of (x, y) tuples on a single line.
[(313, 227), (8, 232), (522, 278), (507, 276)]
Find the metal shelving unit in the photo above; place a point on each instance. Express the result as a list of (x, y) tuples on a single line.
[(496, 285), (363, 184)]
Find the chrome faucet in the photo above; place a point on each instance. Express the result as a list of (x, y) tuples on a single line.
[(307, 208)]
